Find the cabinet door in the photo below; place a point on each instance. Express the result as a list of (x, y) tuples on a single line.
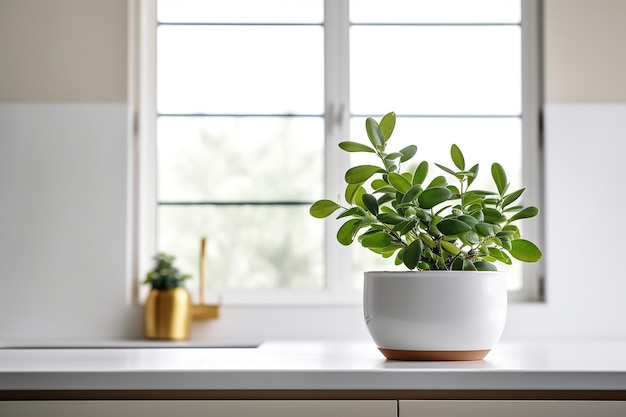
[(198, 408), (512, 408)]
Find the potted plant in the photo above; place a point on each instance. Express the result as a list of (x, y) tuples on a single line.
[(451, 303), (168, 307)]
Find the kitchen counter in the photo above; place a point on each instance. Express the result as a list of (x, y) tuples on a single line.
[(306, 370)]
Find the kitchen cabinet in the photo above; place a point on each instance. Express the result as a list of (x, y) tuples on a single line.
[(155, 408), (512, 408), (312, 408)]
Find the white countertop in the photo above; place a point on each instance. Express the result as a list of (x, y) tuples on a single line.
[(540, 365)]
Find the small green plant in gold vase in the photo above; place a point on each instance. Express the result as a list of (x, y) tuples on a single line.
[(168, 309)]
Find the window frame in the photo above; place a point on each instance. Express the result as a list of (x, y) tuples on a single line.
[(338, 290)]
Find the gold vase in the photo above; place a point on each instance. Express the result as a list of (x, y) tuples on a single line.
[(168, 314)]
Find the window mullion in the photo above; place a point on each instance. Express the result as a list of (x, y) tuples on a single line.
[(336, 118), (532, 167), (144, 210)]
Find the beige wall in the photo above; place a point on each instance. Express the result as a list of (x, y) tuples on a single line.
[(63, 50), (76, 50), (585, 50)]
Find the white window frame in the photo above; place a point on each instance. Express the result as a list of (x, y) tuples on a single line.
[(338, 291)]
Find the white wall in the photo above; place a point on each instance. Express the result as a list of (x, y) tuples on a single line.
[(584, 201), (64, 183), (63, 221)]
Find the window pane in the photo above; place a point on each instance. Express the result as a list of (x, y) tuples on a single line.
[(240, 158), (240, 69), (241, 11), (482, 140), (435, 11), (436, 70), (248, 247)]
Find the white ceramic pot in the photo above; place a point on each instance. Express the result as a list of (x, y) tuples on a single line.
[(435, 315)]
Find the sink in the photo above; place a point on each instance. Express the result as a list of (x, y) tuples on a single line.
[(126, 344)]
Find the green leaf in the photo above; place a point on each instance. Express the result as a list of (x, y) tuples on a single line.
[(387, 197), (457, 157), (390, 166), (431, 197), (408, 153), (514, 229), (450, 247), (350, 146), (354, 211), (505, 242), (351, 190), (387, 124), (525, 251), (361, 173), (387, 189), (407, 227), (399, 182), (468, 265), (420, 173), (454, 190), (378, 183), (513, 208), (358, 197), (427, 240), (411, 194), (457, 264), (439, 181), (484, 229), (423, 215), (392, 156), (474, 170), (525, 214), (470, 238), (468, 219), (387, 251), (376, 240), (464, 174), (390, 218), (499, 255), (374, 134), (479, 193), (493, 216), (499, 177), (412, 254), (505, 233), (347, 232), (448, 170), (453, 227), (371, 203), (508, 199), (485, 266), (323, 208), (478, 215), (398, 260)]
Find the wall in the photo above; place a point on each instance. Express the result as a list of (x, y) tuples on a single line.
[(64, 153), (584, 50), (585, 132), (63, 170)]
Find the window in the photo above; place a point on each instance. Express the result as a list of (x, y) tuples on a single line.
[(252, 97)]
